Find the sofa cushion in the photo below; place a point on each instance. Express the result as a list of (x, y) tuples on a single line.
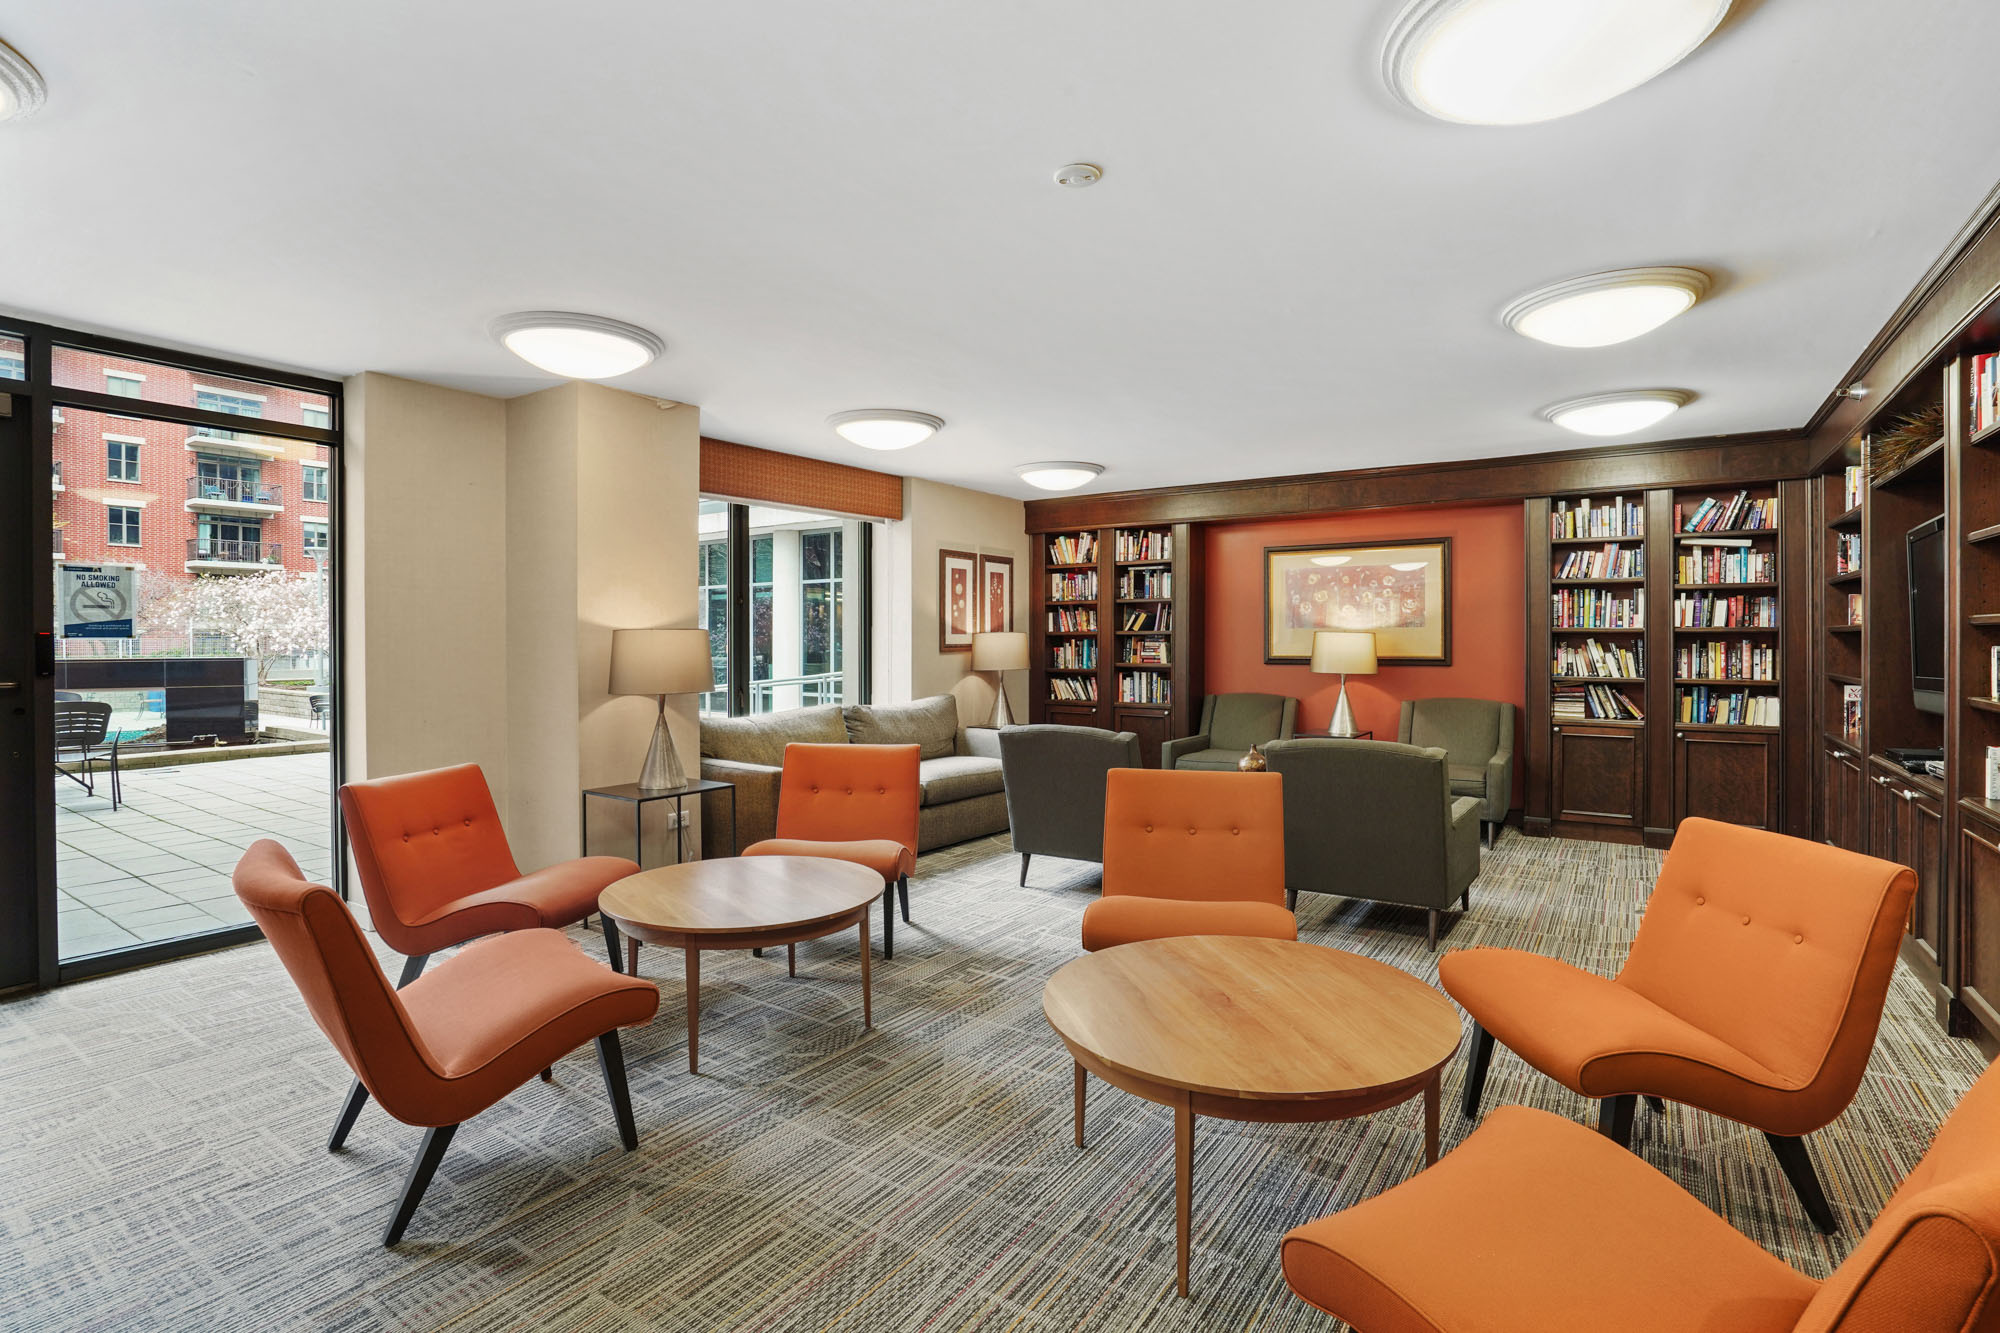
[(1244, 720), (958, 778), (930, 724), (762, 738), (1211, 759)]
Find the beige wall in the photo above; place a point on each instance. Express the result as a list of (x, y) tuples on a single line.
[(938, 516)]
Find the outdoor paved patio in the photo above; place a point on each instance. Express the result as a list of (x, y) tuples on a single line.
[(158, 867)]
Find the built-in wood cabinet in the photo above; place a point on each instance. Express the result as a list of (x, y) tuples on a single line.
[(1726, 775), (1598, 775)]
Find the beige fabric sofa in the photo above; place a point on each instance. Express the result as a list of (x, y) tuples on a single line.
[(963, 793)]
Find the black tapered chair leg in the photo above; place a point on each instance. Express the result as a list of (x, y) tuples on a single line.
[(413, 967), (903, 892), (1657, 1104), (612, 1060), (1480, 1057), (357, 1097), (611, 942), (1614, 1118), (1431, 930), (1791, 1152), (888, 921), (1291, 899), (1025, 858), (421, 1171)]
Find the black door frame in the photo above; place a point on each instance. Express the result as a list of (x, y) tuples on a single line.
[(28, 885)]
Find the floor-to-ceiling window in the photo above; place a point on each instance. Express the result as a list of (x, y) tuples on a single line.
[(184, 684), (796, 594)]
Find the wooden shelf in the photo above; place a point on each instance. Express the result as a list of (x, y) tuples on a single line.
[(1698, 587), (1983, 534), (1843, 629), (1725, 680), (1982, 436), (1850, 519), (1594, 541), (1071, 671), (1054, 566), (1593, 583), (1851, 576), (1831, 739), (1983, 704), (1922, 457), (1989, 618), (1597, 629), (1628, 722), (1145, 601), (1727, 532), (1839, 679), (1070, 601), (1599, 680), (1725, 629), (1141, 564), (1726, 726), (1071, 633)]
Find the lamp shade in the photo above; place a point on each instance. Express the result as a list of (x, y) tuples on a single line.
[(661, 661), (1000, 651), (1343, 653)]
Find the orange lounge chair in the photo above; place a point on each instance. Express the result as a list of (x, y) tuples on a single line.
[(1753, 990), (455, 1041), (1188, 852)]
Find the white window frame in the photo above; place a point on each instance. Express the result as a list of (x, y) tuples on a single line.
[(325, 494), (326, 412), (138, 442), (325, 546), (110, 525), (130, 377)]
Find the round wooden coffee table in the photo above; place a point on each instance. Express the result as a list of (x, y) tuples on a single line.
[(1251, 1029), (740, 903)]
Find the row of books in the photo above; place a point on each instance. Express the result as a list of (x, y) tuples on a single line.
[(1141, 545), (1850, 713), (1158, 619), (1705, 610), (1078, 587), (1073, 689), (1701, 705), (1854, 608), (1601, 702), (1985, 377), (1080, 549), (1145, 652), (1737, 512), (1613, 562), (1591, 658), (1617, 519), (1072, 620), (1853, 485), (1597, 608), (1716, 660), (1146, 583), (1846, 552), (1144, 687), (1714, 564), (1073, 655)]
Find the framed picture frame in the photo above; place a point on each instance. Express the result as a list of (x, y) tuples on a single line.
[(996, 593), (958, 600), (1399, 590)]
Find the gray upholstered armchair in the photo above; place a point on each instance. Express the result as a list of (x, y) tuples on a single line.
[(1230, 725), (1376, 820), (1478, 735), (1055, 787)]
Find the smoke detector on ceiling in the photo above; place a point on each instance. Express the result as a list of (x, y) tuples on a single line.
[(1078, 175)]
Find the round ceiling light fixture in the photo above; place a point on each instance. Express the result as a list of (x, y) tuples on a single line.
[(22, 90), (1617, 413), (1061, 476), (1600, 309), (1519, 62), (1079, 175), (577, 347), (885, 427)]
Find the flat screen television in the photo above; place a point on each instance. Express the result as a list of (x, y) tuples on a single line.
[(1926, 566)]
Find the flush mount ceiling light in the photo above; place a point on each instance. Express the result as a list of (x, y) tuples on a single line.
[(885, 427), (1079, 175), (1066, 476), (1600, 309), (1517, 62), (21, 88), (1617, 413), (577, 347)]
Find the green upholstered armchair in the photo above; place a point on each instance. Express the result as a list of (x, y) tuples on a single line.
[(1230, 725), (1478, 735), (1376, 820), (1055, 787)]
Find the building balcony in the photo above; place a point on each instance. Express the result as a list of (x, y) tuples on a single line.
[(56, 484), (246, 446), (216, 555), (215, 495), (59, 543)]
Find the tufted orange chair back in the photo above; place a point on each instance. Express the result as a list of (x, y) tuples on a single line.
[(422, 841), (1780, 947), (317, 940), (1932, 1259), (850, 793), (1194, 835)]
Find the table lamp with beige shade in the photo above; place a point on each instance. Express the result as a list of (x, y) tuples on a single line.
[(1000, 652), (661, 662), (1343, 653)]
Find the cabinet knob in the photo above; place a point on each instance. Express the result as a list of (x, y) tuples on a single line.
[(1909, 795), (1680, 735)]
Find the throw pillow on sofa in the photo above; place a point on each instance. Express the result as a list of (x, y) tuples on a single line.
[(930, 724)]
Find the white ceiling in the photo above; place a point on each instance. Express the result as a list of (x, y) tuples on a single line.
[(833, 205)]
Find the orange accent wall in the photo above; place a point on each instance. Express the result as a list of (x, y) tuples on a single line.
[(1489, 624)]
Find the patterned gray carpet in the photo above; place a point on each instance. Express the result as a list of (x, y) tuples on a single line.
[(162, 1161)]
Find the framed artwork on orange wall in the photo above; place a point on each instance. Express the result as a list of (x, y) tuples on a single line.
[(996, 593), (958, 600), (1399, 590)]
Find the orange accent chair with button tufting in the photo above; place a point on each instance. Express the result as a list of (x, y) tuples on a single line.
[(852, 803), (1191, 852), (1753, 990)]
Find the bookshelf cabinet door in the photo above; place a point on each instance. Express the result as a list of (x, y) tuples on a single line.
[(1725, 776), (1149, 725), (1979, 871), (1921, 836), (1843, 810), (1073, 715), (1597, 775)]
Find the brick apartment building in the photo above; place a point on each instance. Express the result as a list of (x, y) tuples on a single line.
[(179, 501)]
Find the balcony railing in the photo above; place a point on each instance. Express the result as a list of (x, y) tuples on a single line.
[(56, 463), (229, 490), (797, 692), (221, 551)]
